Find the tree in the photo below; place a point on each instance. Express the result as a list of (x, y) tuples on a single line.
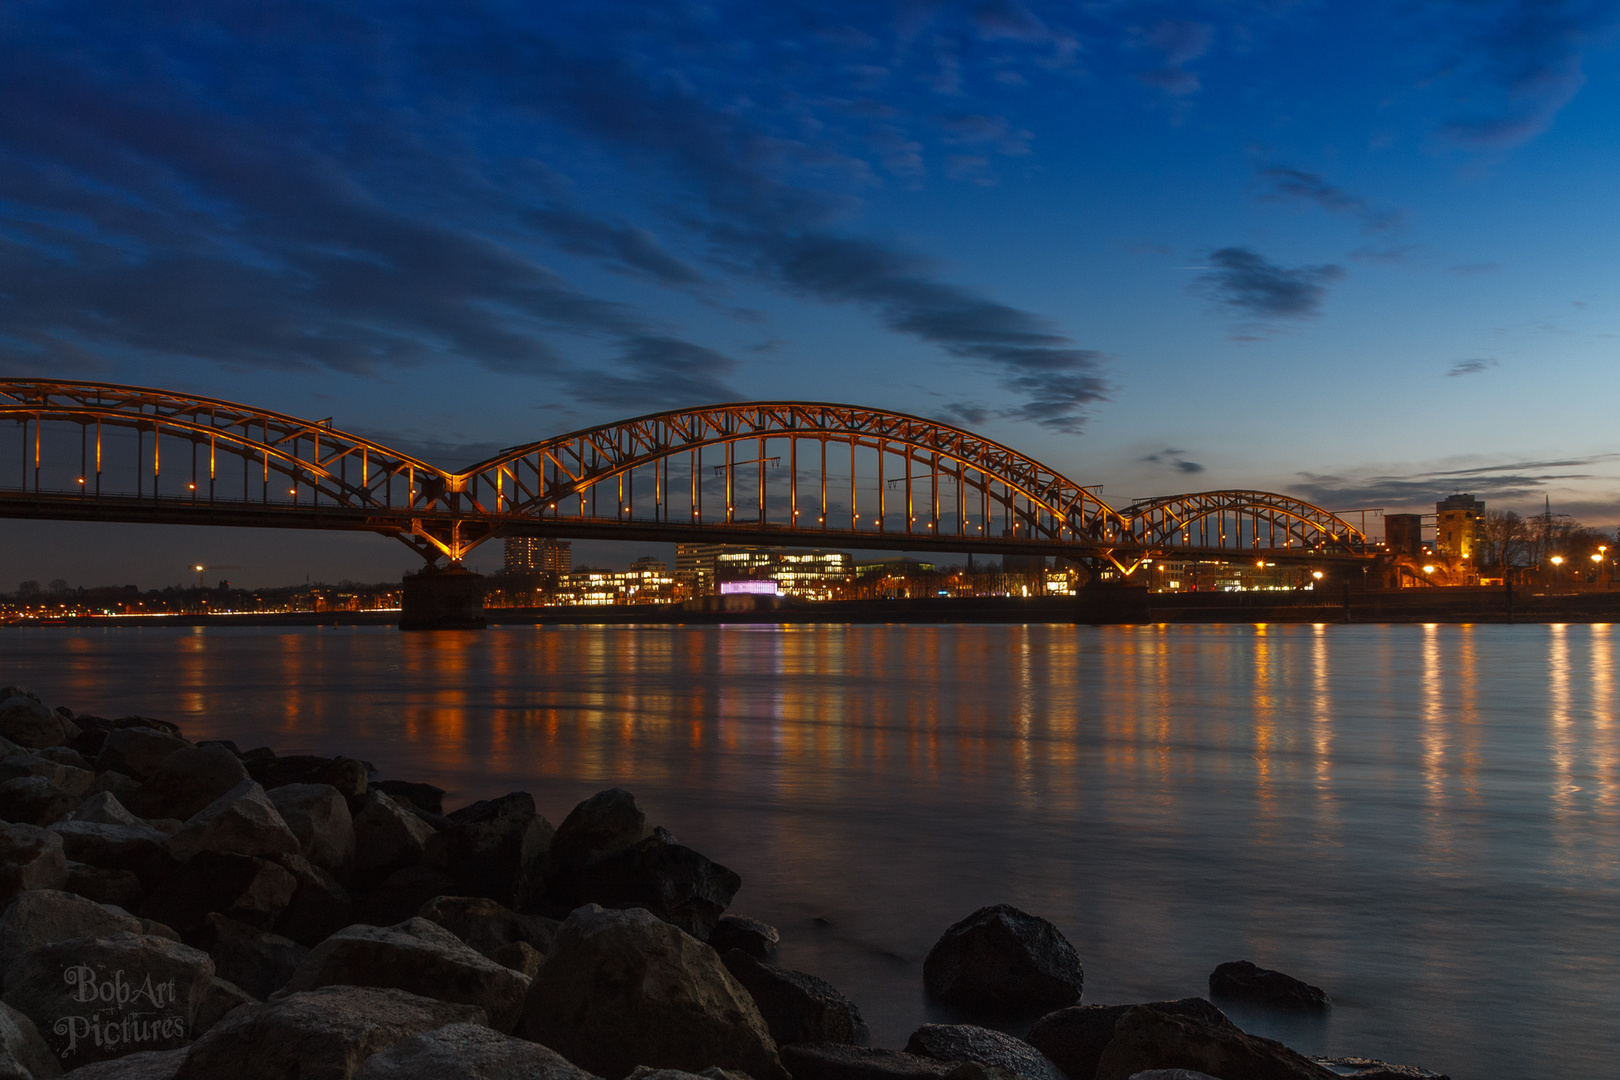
[(59, 586), (1504, 539), (28, 590)]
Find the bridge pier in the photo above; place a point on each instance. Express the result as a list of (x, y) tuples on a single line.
[(443, 598)]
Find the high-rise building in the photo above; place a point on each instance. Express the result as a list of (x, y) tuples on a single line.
[(1457, 521), (527, 555)]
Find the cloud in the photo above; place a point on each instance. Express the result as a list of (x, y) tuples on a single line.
[(1179, 42), (996, 131), (1470, 367), (1286, 184), (1246, 282), (624, 246), (661, 370), (1504, 481), (1175, 459)]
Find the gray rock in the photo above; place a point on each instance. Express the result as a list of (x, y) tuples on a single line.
[(713, 1072), (141, 1065), (26, 722), (401, 895), (753, 937), (345, 774), (1363, 1068), (672, 881), (153, 928), (1075, 1038), (837, 1061), (104, 808), (623, 988), (468, 1052), (1241, 980), (494, 848), (319, 905), (605, 822), (137, 848), (23, 1052), (965, 1042), (323, 1034), (487, 925), (1145, 1038), (520, 956), (259, 962), (70, 778), (34, 800), (44, 916), (249, 890), (189, 780), (137, 751), (1172, 1074), (797, 1007), (66, 755), (120, 887), (221, 997), (387, 837), (99, 998), (319, 816), (118, 784), (1002, 960), (30, 858), (425, 797), (242, 821), (418, 956)]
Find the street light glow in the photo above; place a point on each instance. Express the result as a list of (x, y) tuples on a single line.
[(1428, 569), (1558, 560)]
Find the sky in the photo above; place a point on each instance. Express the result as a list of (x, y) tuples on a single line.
[(1363, 254)]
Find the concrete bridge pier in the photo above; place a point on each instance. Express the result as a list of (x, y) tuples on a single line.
[(443, 598)]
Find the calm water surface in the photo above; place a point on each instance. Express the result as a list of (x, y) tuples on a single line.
[(1424, 820)]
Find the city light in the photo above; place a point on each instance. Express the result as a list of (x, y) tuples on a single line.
[(1428, 569), (1557, 560)]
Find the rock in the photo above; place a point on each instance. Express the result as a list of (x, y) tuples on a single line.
[(319, 816), (1361, 1068), (424, 797), (1241, 980), (249, 890), (345, 774), (605, 822), (319, 907), (320, 1034), (1145, 1038), (137, 848), (797, 1007), (387, 837), (153, 928), (622, 988), (137, 751), (418, 956), (836, 1061), (242, 821), (119, 887), (218, 1000), (965, 1042), (493, 848), (1172, 1074), (402, 894), (189, 780), (486, 925), (1002, 960), (98, 998), (30, 858), (104, 808), (1074, 1038), (66, 755), (23, 1052), (70, 778), (141, 1065), (34, 800), (26, 722), (753, 937), (520, 956), (257, 961), (43, 916), (125, 788), (673, 882), (468, 1052)]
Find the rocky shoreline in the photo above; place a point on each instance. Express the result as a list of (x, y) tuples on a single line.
[(181, 911)]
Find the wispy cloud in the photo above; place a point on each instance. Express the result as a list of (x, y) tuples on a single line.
[(1178, 42), (1249, 284), (1508, 481), (1471, 367), (1284, 184), (1174, 459)]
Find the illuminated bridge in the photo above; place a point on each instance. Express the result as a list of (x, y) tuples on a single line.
[(799, 474)]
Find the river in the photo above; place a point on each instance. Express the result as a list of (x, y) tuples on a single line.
[(1423, 820)]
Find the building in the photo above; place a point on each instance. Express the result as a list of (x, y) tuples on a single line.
[(1403, 535), (694, 567), (1457, 523), (648, 581), (528, 555), (810, 575)]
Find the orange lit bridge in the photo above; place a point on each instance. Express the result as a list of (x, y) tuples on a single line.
[(799, 474)]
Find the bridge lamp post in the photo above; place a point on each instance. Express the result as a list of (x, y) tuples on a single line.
[(1557, 561)]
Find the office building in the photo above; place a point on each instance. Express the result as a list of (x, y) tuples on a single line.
[(1457, 523)]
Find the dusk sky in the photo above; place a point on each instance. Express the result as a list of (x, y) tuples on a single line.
[(1361, 253)]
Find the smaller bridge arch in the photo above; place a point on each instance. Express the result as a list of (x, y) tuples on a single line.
[(1242, 521)]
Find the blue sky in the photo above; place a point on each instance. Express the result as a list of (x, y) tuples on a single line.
[(1362, 253)]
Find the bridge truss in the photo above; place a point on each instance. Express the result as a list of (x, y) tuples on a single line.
[(778, 473)]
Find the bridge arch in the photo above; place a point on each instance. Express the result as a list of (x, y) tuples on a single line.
[(1241, 521)]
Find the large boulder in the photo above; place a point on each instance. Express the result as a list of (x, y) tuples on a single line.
[(488, 926), (493, 848), (1365, 1068), (27, 722), (347, 775), (418, 956), (753, 937), (105, 808), (797, 1007), (137, 848), (1002, 960), (43, 916), (387, 837), (319, 816), (468, 1052), (605, 822), (30, 858), (425, 797), (965, 1042), (1074, 1038), (623, 988), (1241, 980), (672, 881), (323, 1034), (837, 1061), (1146, 1038), (34, 800), (24, 1054), (249, 890), (137, 750), (188, 780), (99, 998), (220, 1000), (401, 895), (320, 905), (243, 821), (64, 774), (141, 1065), (120, 887), (520, 956), (126, 788), (259, 962)]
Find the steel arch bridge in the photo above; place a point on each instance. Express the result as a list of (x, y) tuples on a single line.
[(784, 473)]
